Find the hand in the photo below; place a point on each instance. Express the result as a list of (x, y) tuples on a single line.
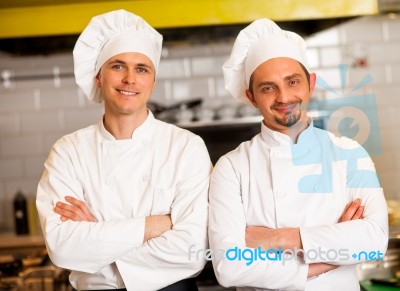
[(352, 211), (75, 210), (156, 225), (269, 238)]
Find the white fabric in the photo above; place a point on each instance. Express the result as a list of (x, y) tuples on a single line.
[(128, 42), (163, 169), (259, 42), (257, 185), (108, 35), (273, 47)]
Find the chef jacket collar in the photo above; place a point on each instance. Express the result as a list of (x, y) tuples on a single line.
[(276, 139), (142, 131)]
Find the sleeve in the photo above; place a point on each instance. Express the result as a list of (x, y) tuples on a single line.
[(227, 225), (80, 246), (357, 240), (189, 214)]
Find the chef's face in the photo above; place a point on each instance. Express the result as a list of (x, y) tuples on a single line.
[(126, 81), (279, 88)]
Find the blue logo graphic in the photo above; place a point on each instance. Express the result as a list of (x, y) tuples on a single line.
[(349, 115)]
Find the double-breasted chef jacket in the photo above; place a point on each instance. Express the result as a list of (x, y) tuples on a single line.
[(257, 184), (162, 170)]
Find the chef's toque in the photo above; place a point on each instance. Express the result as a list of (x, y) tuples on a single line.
[(259, 42), (108, 35)]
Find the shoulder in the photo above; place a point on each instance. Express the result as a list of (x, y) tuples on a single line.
[(239, 158), (342, 141), (76, 138), (343, 146)]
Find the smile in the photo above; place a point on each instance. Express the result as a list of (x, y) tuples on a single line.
[(286, 109), (127, 93)]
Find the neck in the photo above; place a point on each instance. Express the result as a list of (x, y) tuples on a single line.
[(123, 126), (295, 130)]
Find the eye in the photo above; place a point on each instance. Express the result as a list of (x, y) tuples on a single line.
[(117, 67), (294, 82), (142, 70), (267, 88)]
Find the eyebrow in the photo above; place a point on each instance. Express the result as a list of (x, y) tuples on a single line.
[(265, 83), (295, 75), (144, 65), (123, 62), (117, 62)]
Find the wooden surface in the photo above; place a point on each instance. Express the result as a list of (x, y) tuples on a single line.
[(10, 240)]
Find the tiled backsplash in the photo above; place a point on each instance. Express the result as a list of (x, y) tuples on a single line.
[(35, 111)]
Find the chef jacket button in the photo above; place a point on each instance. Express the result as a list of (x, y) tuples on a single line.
[(280, 194), (145, 178)]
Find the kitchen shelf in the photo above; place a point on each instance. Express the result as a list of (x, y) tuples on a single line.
[(12, 241), (222, 122)]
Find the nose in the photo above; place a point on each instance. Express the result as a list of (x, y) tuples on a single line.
[(283, 96), (129, 77)]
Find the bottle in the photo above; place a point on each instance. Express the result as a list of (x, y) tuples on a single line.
[(20, 214)]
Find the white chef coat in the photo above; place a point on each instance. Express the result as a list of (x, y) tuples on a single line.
[(163, 169), (257, 185)]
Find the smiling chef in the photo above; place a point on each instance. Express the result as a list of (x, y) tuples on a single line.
[(279, 232), (120, 201)]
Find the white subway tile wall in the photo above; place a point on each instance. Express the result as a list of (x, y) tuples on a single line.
[(331, 56), (36, 113), (11, 168), (78, 118), (67, 96), (366, 29), (17, 101), (395, 69), (329, 37), (393, 27), (9, 124), (377, 72)]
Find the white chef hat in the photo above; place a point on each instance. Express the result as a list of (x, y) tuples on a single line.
[(261, 41), (108, 35)]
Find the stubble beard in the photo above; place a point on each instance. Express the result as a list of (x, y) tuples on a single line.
[(290, 119)]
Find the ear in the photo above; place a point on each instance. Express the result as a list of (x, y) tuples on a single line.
[(251, 98), (97, 80), (313, 80)]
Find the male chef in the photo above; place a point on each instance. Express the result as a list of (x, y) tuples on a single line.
[(121, 200), (276, 235)]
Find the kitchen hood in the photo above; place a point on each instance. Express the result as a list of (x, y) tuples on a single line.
[(27, 18), (54, 24)]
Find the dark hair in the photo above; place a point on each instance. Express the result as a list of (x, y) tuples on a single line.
[(302, 66)]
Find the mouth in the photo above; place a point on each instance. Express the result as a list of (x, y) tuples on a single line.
[(127, 93), (286, 109)]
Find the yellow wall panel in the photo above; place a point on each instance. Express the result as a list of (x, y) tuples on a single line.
[(72, 18)]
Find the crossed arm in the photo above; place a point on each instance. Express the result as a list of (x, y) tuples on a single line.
[(289, 238), (256, 236), (76, 210)]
